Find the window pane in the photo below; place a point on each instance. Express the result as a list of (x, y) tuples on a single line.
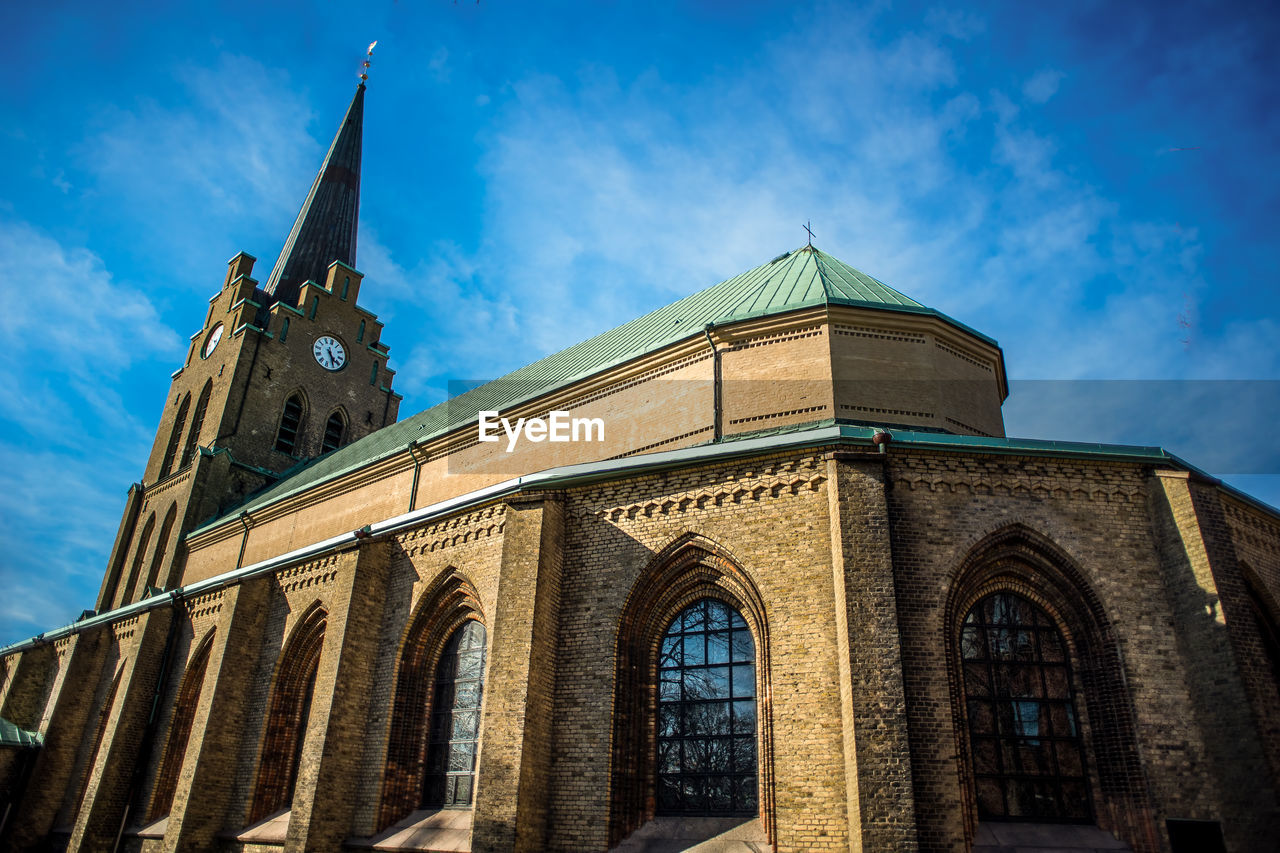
[(744, 681), (744, 717), (694, 649), (718, 647), (744, 795), (718, 682), (973, 645), (670, 654)]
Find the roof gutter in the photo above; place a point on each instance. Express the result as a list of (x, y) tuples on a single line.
[(587, 472)]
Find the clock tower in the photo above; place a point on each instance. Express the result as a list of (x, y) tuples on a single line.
[(276, 376)]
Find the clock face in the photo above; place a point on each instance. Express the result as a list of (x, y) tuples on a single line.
[(211, 342), (329, 352)]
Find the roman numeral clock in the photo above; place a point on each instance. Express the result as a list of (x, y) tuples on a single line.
[(329, 353)]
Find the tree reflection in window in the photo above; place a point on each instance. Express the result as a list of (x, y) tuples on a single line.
[(707, 714), (1028, 758), (455, 720)]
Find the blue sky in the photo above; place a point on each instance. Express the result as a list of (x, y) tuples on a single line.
[(1096, 185)]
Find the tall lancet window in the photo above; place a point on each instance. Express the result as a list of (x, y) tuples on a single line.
[(455, 721), (290, 425), (175, 437), (707, 713), (197, 424), (1028, 756), (334, 430)]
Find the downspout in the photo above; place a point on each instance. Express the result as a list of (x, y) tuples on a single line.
[(143, 759), (716, 433), (417, 469), (244, 541)]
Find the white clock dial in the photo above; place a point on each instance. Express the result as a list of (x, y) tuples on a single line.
[(329, 352), (211, 342)]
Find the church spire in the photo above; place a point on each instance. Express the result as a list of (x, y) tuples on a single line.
[(325, 230)]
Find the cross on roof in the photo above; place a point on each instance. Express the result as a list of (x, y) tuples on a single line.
[(810, 230)]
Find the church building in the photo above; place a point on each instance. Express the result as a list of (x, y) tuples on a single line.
[(759, 570)]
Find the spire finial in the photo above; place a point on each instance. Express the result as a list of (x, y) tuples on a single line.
[(810, 230), (368, 60)]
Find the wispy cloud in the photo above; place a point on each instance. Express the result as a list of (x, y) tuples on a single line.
[(231, 152), (70, 332)]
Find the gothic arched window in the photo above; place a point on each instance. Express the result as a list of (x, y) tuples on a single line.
[(1027, 750), (184, 714), (287, 716), (455, 720), (1268, 631), (290, 424), (334, 430), (197, 423), (162, 545), (126, 595), (175, 437), (707, 713)]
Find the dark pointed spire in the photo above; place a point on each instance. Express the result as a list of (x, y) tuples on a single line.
[(325, 230)]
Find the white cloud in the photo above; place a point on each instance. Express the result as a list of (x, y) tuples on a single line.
[(65, 306), (1042, 85), (614, 198), (71, 333)]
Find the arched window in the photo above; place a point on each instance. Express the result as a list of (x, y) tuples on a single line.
[(287, 716), (290, 424), (184, 714), (175, 437), (197, 423), (162, 545), (1024, 733), (104, 716), (334, 430), (707, 713), (443, 612), (128, 593), (1267, 631), (455, 720)]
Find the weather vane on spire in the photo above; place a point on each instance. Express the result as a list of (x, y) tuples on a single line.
[(368, 60)]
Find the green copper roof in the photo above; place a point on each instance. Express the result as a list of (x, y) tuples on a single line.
[(803, 278), (11, 735)]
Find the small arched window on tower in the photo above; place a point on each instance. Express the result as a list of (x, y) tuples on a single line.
[(290, 424), (162, 547), (144, 541), (175, 437), (334, 432), (197, 423)]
